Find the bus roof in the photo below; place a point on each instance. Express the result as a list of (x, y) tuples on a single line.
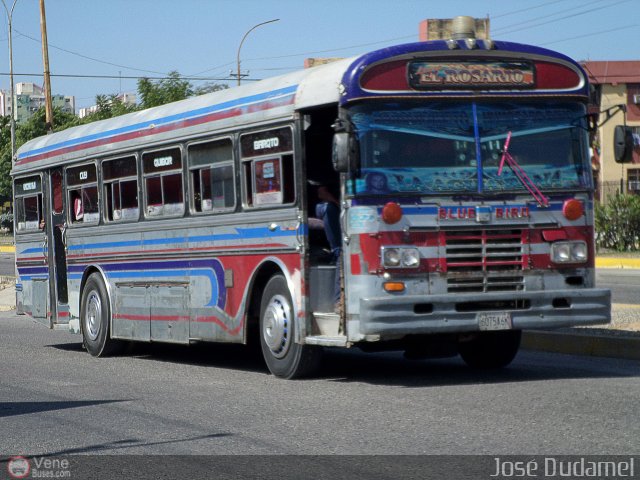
[(277, 97), (280, 97)]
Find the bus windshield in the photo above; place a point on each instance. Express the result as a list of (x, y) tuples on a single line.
[(457, 148)]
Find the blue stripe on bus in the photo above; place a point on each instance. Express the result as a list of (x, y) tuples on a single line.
[(210, 268), (164, 120), (242, 234)]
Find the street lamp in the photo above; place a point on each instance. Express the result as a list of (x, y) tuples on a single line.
[(13, 113), (242, 41)]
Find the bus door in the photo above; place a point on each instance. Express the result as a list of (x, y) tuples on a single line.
[(57, 255)]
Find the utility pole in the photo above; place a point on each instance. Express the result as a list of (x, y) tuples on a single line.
[(47, 73), (12, 101)]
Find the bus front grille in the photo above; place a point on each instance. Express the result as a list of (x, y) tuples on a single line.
[(484, 260)]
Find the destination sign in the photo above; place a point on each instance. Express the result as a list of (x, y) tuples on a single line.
[(465, 75)]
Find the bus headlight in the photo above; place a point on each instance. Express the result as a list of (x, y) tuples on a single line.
[(400, 257), (410, 257), (569, 252), (391, 257)]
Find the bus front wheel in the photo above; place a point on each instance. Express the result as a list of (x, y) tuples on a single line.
[(487, 350), (284, 357), (95, 316)]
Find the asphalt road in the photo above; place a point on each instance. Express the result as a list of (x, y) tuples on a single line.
[(55, 399), (7, 264), (624, 284)]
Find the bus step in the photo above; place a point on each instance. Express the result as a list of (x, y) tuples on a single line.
[(327, 341), (326, 324)]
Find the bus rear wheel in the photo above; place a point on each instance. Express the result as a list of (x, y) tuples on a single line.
[(95, 318), (284, 357), (490, 350)]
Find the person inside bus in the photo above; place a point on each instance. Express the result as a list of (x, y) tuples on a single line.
[(327, 217), (328, 210)]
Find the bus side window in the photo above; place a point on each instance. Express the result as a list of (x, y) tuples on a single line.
[(212, 177), (162, 171), (29, 214), (120, 189), (268, 167), (82, 191)]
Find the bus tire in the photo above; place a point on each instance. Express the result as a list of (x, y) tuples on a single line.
[(95, 318), (284, 357), (490, 350)]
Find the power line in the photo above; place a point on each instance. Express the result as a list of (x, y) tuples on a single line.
[(617, 29), (87, 57), (70, 75), (531, 20), (527, 9), (572, 15)]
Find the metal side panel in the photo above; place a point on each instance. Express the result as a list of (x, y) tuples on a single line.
[(131, 312), (170, 313)]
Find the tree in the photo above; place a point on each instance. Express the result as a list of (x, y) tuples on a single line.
[(109, 106), (32, 128), (210, 87), (170, 89), (152, 94)]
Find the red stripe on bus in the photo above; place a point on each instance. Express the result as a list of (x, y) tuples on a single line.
[(236, 112), (169, 250)]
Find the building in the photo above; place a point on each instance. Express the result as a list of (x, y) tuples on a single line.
[(616, 93), (29, 98), (440, 28)]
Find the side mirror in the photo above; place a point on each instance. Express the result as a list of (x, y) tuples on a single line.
[(344, 152), (623, 144)]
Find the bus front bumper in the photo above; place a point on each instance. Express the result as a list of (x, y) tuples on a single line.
[(450, 313)]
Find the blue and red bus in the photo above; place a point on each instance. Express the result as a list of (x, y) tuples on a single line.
[(465, 198)]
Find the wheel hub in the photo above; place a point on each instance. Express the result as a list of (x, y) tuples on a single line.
[(93, 316), (277, 326)]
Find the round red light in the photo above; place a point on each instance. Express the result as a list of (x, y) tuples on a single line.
[(573, 209), (391, 213)]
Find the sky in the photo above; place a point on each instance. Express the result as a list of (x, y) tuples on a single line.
[(120, 41)]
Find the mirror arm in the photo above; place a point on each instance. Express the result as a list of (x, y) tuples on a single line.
[(611, 111)]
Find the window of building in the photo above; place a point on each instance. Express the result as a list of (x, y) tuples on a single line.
[(212, 176), (82, 194), (633, 181), (162, 172), (267, 167), (28, 205), (120, 184)]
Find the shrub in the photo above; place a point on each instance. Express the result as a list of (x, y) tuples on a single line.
[(618, 223), (6, 221)]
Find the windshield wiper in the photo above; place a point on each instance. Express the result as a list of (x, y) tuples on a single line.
[(521, 174)]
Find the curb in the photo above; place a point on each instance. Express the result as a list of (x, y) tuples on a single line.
[(585, 344), (616, 262)]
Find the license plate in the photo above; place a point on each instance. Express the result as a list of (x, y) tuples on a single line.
[(494, 321)]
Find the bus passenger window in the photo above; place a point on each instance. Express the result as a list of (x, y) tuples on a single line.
[(268, 167), (82, 191), (120, 189), (212, 178), (162, 171), (28, 204)]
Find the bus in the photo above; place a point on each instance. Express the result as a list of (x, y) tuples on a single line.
[(465, 209)]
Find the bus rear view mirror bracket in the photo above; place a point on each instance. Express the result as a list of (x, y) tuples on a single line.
[(623, 144)]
